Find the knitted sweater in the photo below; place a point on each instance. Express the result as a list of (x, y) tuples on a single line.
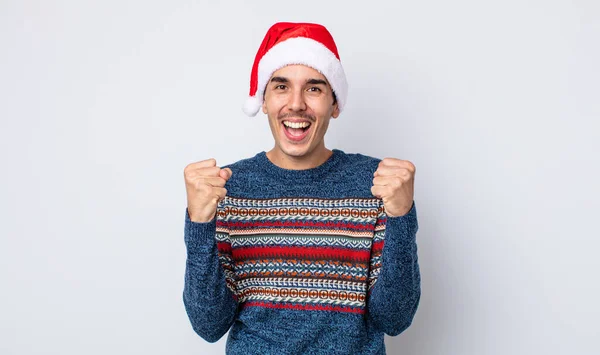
[(302, 261)]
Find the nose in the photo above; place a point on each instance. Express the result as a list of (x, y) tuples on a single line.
[(296, 101)]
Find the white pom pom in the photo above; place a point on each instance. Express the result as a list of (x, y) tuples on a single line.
[(252, 106)]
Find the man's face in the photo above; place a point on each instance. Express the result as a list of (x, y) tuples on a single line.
[(299, 96)]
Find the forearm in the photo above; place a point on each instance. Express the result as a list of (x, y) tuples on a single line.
[(395, 296), (211, 306)]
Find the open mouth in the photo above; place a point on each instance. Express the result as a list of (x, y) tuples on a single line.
[(296, 131)]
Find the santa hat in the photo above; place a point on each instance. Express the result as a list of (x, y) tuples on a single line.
[(296, 43)]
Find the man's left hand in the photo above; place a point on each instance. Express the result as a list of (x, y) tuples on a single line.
[(393, 182)]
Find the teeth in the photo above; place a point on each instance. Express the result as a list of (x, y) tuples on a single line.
[(296, 124)]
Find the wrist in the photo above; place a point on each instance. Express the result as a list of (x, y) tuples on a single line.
[(200, 218)]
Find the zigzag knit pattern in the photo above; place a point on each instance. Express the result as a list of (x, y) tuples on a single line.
[(301, 253)]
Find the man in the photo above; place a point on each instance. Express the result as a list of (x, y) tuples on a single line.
[(301, 249)]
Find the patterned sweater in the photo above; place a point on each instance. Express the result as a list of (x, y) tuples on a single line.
[(302, 261)]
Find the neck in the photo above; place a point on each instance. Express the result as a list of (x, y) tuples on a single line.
[(307, 161)]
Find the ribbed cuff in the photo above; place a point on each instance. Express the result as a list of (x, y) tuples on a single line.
[(403, 227), (199, 235)]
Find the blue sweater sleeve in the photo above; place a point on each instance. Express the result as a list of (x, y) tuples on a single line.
[(395, 280), (209, 300)]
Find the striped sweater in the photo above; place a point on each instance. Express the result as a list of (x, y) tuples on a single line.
[(302, 261)]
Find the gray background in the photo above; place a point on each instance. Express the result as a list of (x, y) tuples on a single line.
[(103, 103)]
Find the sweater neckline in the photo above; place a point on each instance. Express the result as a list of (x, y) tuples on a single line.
[(269, 167)]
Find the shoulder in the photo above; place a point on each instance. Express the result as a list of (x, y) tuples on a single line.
[(242, 164), (361, 163), (244, 174), (357, 173), (354, 176)]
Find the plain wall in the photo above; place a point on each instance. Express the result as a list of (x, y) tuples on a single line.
[(103, 104)]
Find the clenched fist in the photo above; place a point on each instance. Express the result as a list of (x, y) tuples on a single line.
[(205, 187), (393, 182)]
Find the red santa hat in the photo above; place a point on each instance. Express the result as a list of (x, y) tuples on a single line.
[(296, 43)]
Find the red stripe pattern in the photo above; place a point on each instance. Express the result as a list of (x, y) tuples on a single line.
[(301, 253)]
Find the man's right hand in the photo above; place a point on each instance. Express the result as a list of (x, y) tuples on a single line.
[(205, 187)]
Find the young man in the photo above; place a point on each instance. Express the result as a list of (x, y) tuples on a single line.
[(301, 249)]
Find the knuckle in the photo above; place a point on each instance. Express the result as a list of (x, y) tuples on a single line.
[(189, 178), (203, 188), (208, 171)]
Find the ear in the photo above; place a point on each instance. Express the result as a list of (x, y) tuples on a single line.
[(336, 111), (264, 106)]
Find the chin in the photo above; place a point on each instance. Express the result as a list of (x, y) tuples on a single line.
[(294, 150)]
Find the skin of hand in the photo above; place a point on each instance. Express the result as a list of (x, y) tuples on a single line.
[(393, 182), (205, 188)]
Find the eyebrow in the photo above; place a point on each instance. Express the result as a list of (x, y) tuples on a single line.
[(317, 82), (280, 79)]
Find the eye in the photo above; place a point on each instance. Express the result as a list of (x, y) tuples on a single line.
[(314, 89), (280, 86)]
